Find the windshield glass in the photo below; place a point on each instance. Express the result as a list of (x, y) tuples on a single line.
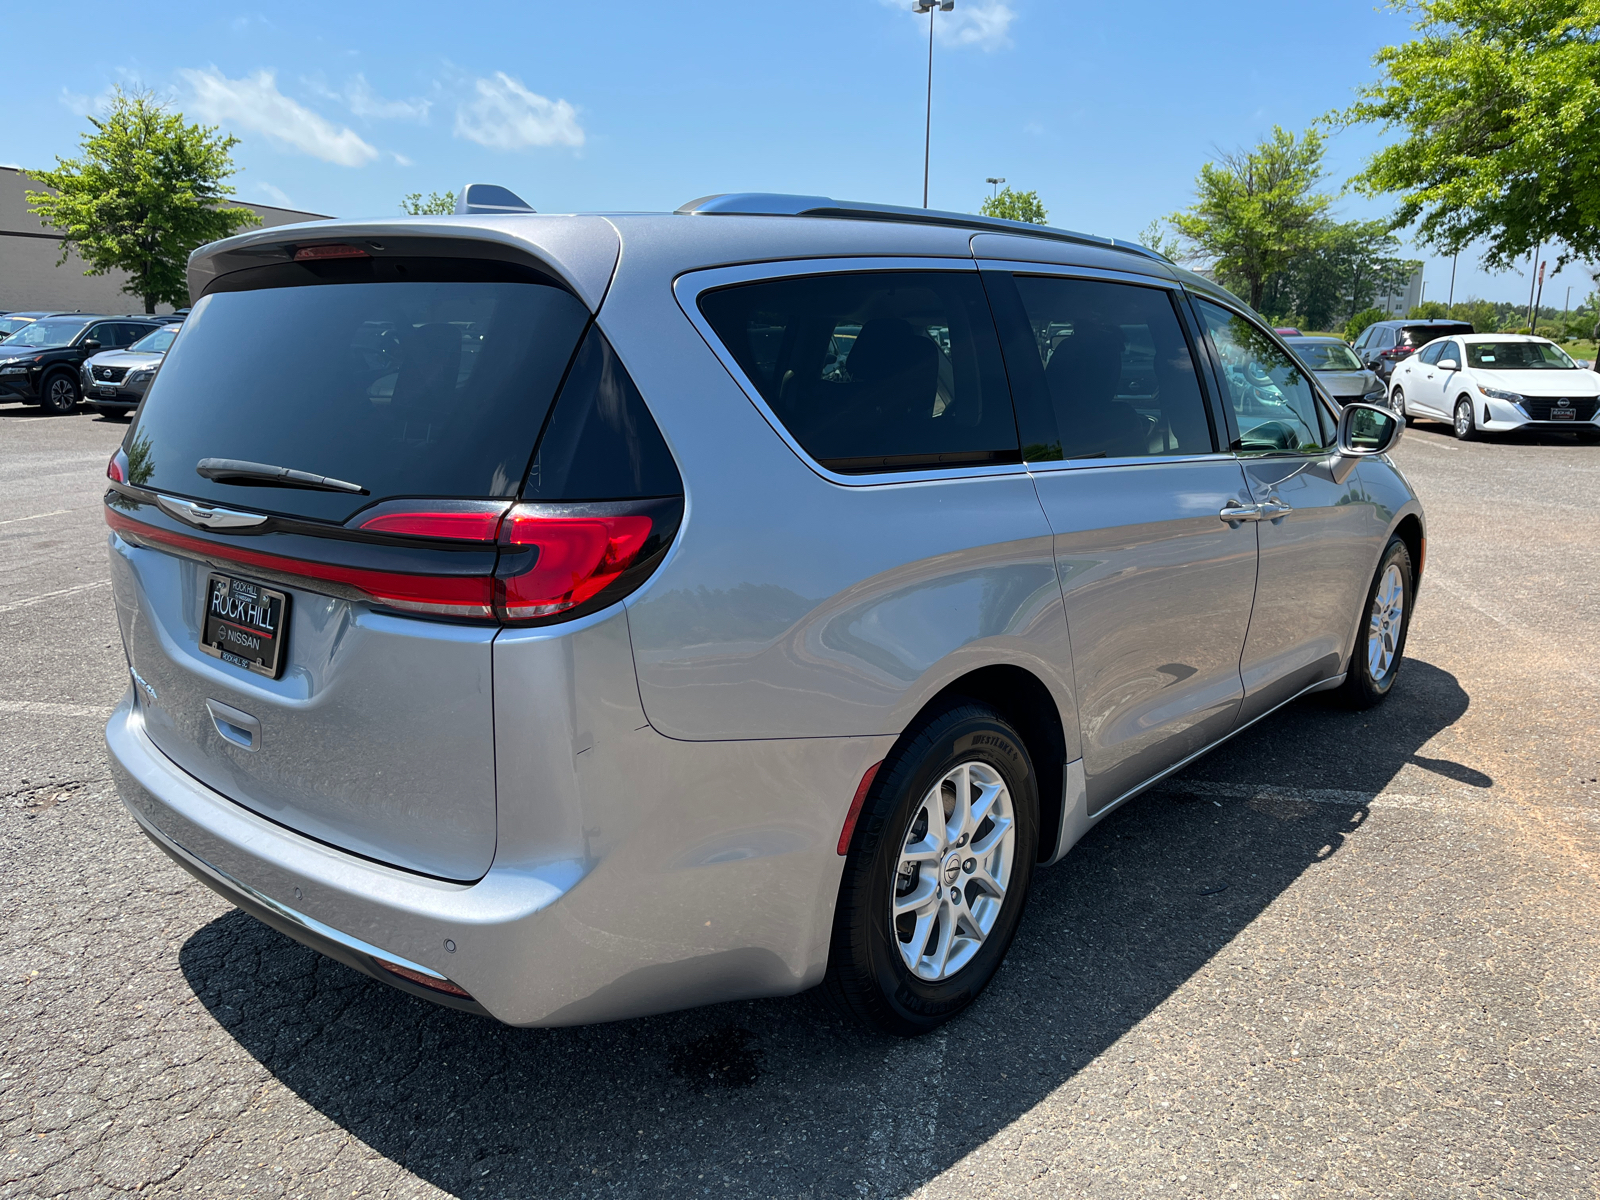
[(1519, 356), (46, 333), (1327, 356), (157, 342), (9, 325)]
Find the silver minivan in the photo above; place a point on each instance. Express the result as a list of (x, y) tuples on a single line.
[(569, 618)]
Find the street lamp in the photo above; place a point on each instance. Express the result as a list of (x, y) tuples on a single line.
[(930, 7), (996, 182)]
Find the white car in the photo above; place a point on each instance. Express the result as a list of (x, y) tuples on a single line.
[(1497, 382)]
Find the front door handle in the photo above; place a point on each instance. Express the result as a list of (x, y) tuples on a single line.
[(1233, 512), (1272, 508)]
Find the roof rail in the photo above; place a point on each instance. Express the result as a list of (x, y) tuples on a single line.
[(777, 204)]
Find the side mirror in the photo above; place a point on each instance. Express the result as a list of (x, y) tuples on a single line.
[(1367, 429), (1449, 364), (91, 344)]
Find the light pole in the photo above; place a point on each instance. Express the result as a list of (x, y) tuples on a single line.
[(998, 180), (1451, 303), (930, 7)]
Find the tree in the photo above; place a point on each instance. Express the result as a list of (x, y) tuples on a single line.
[(1344, 266), (1153, 237), (1255, 210), (147, 190), (437, 204), (1360, 320), (1499, 101), (1015, 206)]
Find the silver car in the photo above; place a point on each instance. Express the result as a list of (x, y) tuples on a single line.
[(603, 615), (1340, 371), (114, 381)]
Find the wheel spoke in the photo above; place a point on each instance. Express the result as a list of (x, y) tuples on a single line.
[(986, 880), (933, 804), (988, 793), (997, 833), (918, 898)]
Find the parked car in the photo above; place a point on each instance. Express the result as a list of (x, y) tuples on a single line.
[(12, 321), (1384, 343), (1495, 383), (39, 364), (114, 381), (1287, 331), (1340, 371), (751, 671)]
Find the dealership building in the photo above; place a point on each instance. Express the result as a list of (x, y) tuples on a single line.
[(30, 280)]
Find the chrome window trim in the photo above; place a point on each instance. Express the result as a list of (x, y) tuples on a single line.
[(1148, 460), (688, 287)]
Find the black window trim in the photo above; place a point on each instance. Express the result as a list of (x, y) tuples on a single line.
[(688, 287), (1319, 392), (1187, 321)]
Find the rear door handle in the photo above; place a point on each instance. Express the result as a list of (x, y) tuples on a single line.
[(235, 726), (1233, 512)]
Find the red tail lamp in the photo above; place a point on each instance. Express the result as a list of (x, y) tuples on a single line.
[(578, 557)]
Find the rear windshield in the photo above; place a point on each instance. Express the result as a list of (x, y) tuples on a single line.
[(1327, 356), (1421, 335), (405, 388)]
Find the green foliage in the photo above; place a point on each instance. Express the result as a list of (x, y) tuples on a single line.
[(147, 191), (1480, 314), (435, 204), (1344, 265), (1255, 210), (1015, 206), (1499, 101), (1429, 310), (1360, 320), (1154, 237)]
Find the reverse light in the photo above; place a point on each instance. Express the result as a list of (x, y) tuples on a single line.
[(575, 558)]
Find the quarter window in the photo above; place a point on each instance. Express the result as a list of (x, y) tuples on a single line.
[(1430, 354), (1117, 369), (874, 371), (1272, 399)]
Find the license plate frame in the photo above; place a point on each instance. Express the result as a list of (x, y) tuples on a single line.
[(1563, 414), (106, 393), (244, 623)]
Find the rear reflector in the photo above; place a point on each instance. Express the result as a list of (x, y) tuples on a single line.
[(577, 558), (436, 595), (330, 250), (854, 814), (437, 983)]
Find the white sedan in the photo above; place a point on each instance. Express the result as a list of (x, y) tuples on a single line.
[(1497, 382)]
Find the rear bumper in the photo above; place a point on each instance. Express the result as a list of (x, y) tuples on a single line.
[(669, 918)]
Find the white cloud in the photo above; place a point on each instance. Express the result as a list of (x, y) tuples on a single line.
[(507, 116), (276, 194), (86, 105), (401, 160), (985, 24), (365, 102), (256, 103)]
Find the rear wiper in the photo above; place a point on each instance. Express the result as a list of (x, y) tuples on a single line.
[(233, 470)]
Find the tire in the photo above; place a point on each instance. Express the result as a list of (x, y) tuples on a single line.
[(910, 974), (1466, 424), (59, 394), (1381, 634), (1397, 401)]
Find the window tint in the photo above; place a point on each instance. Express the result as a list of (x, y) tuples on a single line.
[(1116, 367), (1271, 396), (406, 388), (894, 370), (1430, 354), (601, 442), (105, 333)]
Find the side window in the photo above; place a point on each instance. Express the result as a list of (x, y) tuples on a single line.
[(105, 333), (128, 334), (1117, 369), (1383, 339), (1366, 336), (1430, 354), (1453, 350), (875, 371), (1273, 401)]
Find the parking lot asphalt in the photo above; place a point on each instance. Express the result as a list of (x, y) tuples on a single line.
[(1345, 955)]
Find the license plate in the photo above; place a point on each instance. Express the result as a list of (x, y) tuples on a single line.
[(108, 393), (244, 624), (1563, 414)]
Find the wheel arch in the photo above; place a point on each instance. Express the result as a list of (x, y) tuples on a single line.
[(1024, 700), (1409, 530)]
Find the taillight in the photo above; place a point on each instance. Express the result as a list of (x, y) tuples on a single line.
[(328, 250), (116, 469), (455, 520), (575, 558)]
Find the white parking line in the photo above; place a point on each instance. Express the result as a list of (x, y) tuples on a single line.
[(36, 516), (71, 591), (44, 708)]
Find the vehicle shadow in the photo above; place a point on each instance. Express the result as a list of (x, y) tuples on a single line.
[(780, 1096)]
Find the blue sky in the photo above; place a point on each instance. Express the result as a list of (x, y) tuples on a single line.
[(1108, 110)]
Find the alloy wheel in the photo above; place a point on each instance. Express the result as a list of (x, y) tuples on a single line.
[(956, 861), (1385, 623), (60, 396), (1464, 420)]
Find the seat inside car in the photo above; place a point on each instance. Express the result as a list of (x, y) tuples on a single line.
[(1083, 375)]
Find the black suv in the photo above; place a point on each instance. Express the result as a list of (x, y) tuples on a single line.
[(1384, 343), (39, 362)]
